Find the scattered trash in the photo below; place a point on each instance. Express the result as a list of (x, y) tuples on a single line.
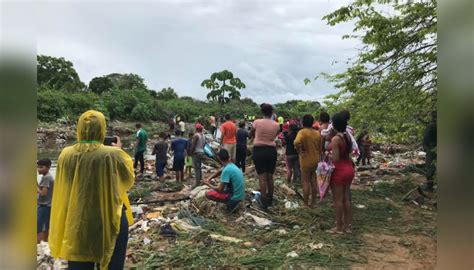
[(291, 205), (315, 246), (282, 231), (219, 237), (153, 215), (360, 206), (292, 254), (167, 230), (261, 222), (296, 227), (146, 241)]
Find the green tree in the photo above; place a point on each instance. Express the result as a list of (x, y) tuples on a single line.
[(57, 73), (392, 83), (99, 85), (224, 86), (128, 81), (167, 94)]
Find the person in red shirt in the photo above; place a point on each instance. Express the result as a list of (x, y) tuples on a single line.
[(228, 137)]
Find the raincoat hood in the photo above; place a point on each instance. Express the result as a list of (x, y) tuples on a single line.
[(90, 193), (91, 127)]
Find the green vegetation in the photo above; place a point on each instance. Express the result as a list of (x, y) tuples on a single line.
[(392, 84), (126, 97)]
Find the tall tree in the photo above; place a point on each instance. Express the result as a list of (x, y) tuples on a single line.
[(100, 85), (57, 73), (392, 83), (167, 94), (224, 86), (127, 81)]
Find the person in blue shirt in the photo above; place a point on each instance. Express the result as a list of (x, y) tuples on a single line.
[(231, 188), (178, 146)]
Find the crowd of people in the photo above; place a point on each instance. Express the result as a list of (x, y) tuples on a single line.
[(88, 212)]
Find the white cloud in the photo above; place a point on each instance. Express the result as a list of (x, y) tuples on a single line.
[(271, 45)]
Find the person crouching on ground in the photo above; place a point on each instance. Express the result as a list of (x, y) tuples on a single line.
[(45, 195), (342, 176), (231, 188)]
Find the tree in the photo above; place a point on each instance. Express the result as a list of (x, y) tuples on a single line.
[(100, 85), (222, 83), (392, 83), (57, 73), (128, 81), (166, 94)]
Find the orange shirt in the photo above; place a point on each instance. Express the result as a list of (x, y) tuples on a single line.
[(229, 131), (309, 141)]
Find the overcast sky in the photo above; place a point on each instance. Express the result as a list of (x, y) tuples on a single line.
[(270, 45)]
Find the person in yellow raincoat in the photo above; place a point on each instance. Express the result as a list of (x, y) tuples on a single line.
[(90, 211)]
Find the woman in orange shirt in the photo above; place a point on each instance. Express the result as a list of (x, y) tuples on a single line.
[(308, 146)]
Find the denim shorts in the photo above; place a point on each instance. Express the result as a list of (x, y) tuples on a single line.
[(42, 223)]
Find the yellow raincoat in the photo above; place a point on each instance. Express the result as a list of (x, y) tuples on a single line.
[(90, 190)]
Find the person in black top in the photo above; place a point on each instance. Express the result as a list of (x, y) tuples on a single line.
[(429, 145), (292, 159), (241, 152)]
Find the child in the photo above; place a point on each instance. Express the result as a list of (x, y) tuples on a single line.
[(179, 146), (160, 150), (188, 163), (45, 195)]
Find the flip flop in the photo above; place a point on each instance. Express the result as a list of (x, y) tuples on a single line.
[(334, 231)]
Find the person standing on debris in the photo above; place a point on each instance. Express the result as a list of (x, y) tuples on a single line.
[(342, 176), (160, 150), (241, 155), (45, 195), (429, 145), (90, 210), (308, 145), (324, 120), (140, 147), (292, 158), (281, 121), (188, 161), (363, 140), (330, 132), (171, 124), (197, 150), (264, 156), (179, 146), (182, 127), (228, 137), (213, 123), (231, 188)]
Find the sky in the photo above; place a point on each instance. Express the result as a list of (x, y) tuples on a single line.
[(270, 45)]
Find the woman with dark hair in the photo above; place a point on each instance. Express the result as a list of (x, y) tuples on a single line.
[(292, 159), (342, 175), (264, 132), (308, 146)]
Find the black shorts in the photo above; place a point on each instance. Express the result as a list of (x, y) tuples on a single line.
[(178, 164), (264, 158)]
